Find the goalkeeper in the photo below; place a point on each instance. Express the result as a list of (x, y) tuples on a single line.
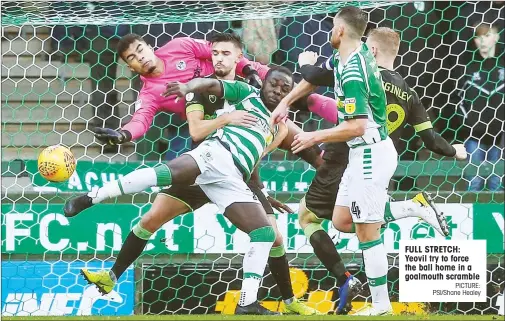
[(177, 200), (219, 165)]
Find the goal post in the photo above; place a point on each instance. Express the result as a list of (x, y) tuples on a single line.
[(52, 92)]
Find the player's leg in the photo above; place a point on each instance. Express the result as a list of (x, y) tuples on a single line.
[(182, 170), (317, 205), (421, 206), (250, 218), (278, 262), (224, 185), (168, 204), (369, 172)]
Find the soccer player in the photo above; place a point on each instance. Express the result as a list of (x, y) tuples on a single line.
[(219, 165), (372, 156), (319, 201), (180, 59), (404, 107), (201, 112)]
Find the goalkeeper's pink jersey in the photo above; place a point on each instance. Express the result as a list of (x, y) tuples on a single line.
[(184, 58)]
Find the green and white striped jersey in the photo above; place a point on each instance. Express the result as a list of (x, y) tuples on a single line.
[(358, 86), (245, 144)]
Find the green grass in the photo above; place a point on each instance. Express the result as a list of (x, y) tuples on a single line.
[(205, 317)]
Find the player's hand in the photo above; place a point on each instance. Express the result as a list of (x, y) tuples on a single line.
[(241, 118), (307, 58), (112, 137), (281, 207), (176, 88), (461, 153), (252, 76), (254, 80), (303, 141), (280, 114)]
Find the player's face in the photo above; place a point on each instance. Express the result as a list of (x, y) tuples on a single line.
[(225, 56), (336, 33), (275, 88), (140, 58), (485, 42)]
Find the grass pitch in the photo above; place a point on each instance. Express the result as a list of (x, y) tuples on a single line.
[(205, 317)]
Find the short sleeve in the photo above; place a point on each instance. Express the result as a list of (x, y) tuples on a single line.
[(418, 116), (194, 102), (236, 91), (356, 98)]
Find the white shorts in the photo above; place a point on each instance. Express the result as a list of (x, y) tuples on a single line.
[(364, 185), (220, 178)]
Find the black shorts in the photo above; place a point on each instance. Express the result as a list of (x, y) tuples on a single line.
[(322, 194), (194, 197)]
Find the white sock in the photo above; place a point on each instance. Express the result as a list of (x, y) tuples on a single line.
[(255, 261), (134, 182), (401, 209), (376, 269)]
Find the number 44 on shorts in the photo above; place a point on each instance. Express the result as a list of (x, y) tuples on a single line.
[(355, 210)]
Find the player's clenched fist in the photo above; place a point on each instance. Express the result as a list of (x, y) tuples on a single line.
[(307, 58), (176, 88), (112, 137), (461, 153)]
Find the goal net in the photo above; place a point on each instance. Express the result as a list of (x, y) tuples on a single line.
[(60, 77)]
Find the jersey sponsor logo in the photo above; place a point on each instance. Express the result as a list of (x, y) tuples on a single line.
[(138, 104), (355, 210), (395, 117), (212, 98), (190, 96), (350, 105), (180, 65)]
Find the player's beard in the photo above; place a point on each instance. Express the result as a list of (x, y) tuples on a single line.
[(222, 73), (335, 43), (151, 70)]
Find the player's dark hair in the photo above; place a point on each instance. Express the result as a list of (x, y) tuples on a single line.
[(226, 37), (125, 42), (355, 18), (280, 69)]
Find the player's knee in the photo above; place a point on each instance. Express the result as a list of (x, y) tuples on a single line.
[(343, 223), (263, 234), (368, 232), (278, 239), (277, 251), (150, 222), (305, 217)]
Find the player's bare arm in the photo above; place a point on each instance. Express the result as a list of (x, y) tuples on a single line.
[(199, 128), (281, 112), (199, 85), (345, 131)]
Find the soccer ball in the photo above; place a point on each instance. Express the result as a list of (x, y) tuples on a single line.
[(56, 163)]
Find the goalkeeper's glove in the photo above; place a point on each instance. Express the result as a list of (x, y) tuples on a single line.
[(252, 77), (112, 137)]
